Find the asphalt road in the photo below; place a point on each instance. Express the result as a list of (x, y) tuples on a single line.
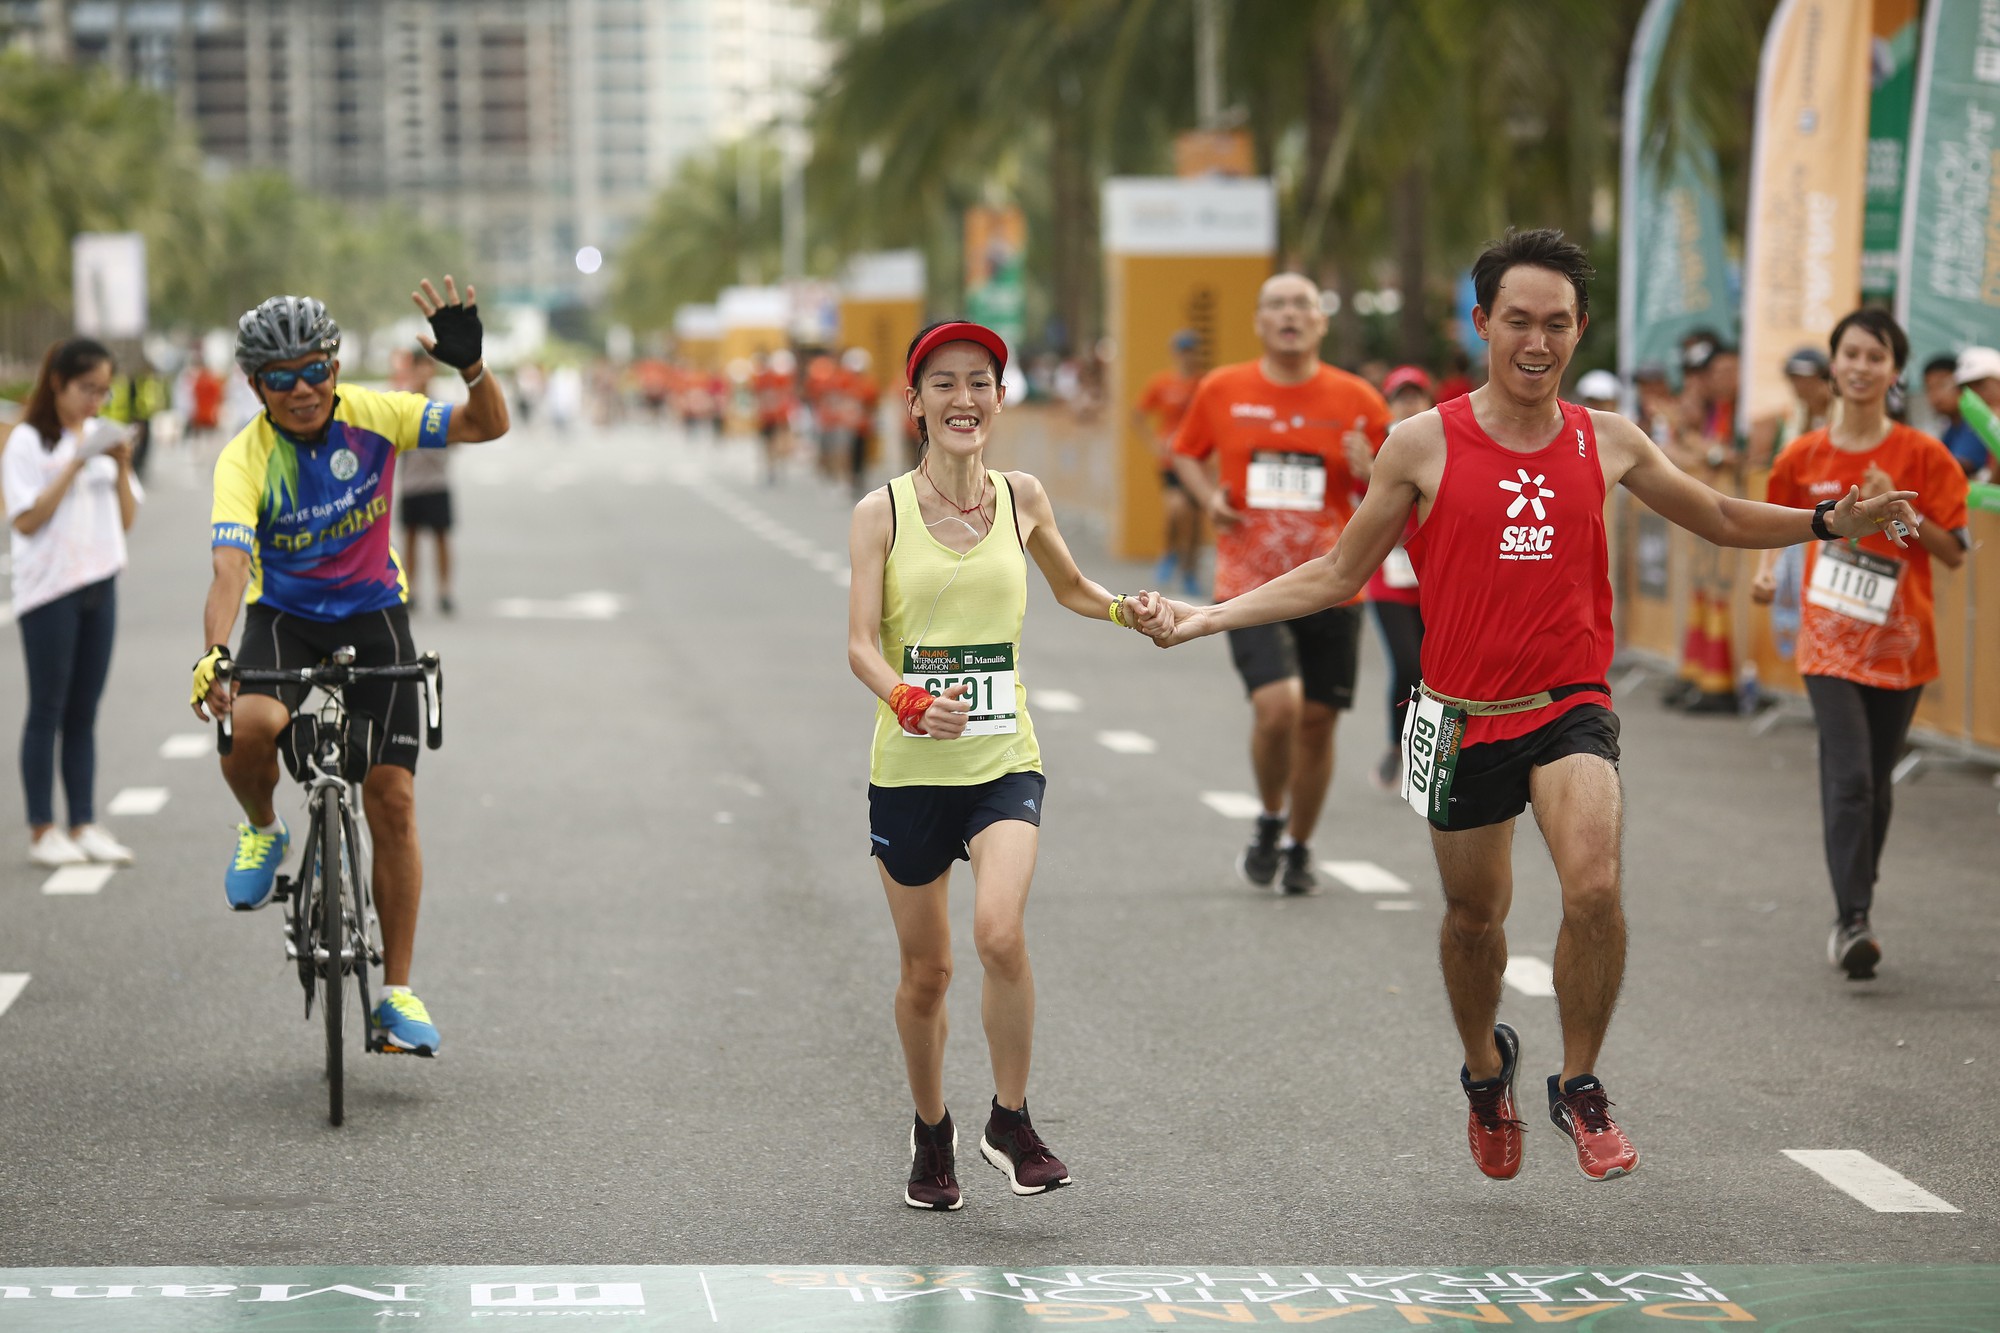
[(662, 965)]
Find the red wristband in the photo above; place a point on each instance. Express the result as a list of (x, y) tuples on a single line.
[(909, 704)]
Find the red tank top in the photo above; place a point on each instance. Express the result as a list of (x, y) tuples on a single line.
[(1514, 573)]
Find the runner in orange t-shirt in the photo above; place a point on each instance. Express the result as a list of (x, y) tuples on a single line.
[(1867, 640), (1271, 449), (1162, 405)]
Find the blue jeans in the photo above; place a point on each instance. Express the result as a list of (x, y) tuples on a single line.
[(67, 643)]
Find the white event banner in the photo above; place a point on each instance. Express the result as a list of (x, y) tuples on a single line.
[(1164, 215)]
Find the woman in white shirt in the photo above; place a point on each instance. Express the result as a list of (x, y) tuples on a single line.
[(70, 497)]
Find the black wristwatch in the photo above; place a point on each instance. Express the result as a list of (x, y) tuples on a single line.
[(1820, 529)]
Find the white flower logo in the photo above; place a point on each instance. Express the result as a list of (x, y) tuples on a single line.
[(1527, 491)]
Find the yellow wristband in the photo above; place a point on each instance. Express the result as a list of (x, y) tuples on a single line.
[(1117, 617)]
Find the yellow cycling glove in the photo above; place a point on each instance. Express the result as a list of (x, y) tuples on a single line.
[(204, 671)]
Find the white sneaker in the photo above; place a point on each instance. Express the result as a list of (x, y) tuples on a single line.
[(100, 846), (54, 848)]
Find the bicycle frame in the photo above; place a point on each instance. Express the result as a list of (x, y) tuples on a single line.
[(331, 929)]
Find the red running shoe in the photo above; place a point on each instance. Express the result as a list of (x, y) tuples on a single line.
[(1012, 1146), (933, 1166), (1492, 1125), (1580, 1109)]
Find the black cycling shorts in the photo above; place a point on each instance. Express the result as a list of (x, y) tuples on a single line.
[(278, 641), (1491, 784), (919, 831), (1322, 649)]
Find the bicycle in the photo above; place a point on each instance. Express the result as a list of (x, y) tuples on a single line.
[(331, 931)]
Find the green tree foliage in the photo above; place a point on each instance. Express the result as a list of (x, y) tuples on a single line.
[(80, 151)]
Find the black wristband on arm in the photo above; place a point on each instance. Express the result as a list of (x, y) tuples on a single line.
[(1819, 527)]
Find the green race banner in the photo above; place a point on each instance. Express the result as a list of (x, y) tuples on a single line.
[(893, 1298), (1948, 281), (1673, 273), (1892, 78)]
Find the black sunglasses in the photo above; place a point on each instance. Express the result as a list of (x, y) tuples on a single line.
[(314, 373)]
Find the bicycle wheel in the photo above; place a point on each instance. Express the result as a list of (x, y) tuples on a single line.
[(333, 943)]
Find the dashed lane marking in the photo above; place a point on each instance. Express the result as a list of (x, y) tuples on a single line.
[(187, 745), (1531, 976), (79, 879), (1054, 701), (139, 800), (1858, 1174), (1364, 877), (1233, 804), (11, 986), (576, 606), (1127, 742), (1395, 905)]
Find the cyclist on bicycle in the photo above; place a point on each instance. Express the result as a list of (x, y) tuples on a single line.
[(301, 533)]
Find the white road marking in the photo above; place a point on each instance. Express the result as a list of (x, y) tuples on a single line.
[(11, 986), (139, 800), (1531, 976), (713, 1317), (1364, 877), (1233, 804), (6, 613), (826, 562), (1874, 1184), (187, 745), (576, 606), (1127, 742), (1395, 905), (79, 879), (1054, 701)]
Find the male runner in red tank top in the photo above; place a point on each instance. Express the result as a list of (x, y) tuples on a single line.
[(1508, 485)]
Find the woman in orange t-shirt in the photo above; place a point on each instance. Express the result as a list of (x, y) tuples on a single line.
[(1867, 641)]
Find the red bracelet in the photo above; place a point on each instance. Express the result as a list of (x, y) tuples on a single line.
[(909, 704)]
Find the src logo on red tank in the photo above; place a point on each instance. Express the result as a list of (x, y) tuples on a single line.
[(1529, 541)]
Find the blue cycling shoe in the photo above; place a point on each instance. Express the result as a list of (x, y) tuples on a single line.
[(253, 875), (401, 1025)]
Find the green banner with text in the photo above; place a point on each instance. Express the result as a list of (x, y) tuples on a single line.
[(895, 1299), (1948, 284)]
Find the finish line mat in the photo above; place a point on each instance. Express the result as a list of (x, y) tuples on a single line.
[(888, 1299)]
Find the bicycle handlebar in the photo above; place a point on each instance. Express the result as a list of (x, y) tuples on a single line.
[(333, 676)]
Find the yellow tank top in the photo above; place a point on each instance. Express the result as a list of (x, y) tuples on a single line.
[(949, 620)]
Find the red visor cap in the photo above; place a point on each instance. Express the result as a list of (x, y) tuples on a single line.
[(955, 333)]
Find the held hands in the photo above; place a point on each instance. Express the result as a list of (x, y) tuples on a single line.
[(1856, 517), (1180, 622), (456, 333)]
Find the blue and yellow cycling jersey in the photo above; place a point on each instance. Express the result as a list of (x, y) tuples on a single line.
[(314, 518)]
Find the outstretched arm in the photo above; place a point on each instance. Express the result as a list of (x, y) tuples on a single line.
[(1338, 575), (1072, 587), (1635, 460)]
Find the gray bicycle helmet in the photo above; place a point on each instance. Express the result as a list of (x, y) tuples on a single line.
[(284, 327)]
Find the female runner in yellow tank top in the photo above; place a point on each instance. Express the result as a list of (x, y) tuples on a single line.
[(934, 630)]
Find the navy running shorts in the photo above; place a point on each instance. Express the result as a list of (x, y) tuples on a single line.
[(919, 831), (1491, 784)]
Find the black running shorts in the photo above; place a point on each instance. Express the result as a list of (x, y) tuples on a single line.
[(1491, 785), (277, 641), (919, 831), (429, 510), (1322, 649)]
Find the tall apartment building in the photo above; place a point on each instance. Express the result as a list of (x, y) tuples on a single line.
[(532, 127)]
